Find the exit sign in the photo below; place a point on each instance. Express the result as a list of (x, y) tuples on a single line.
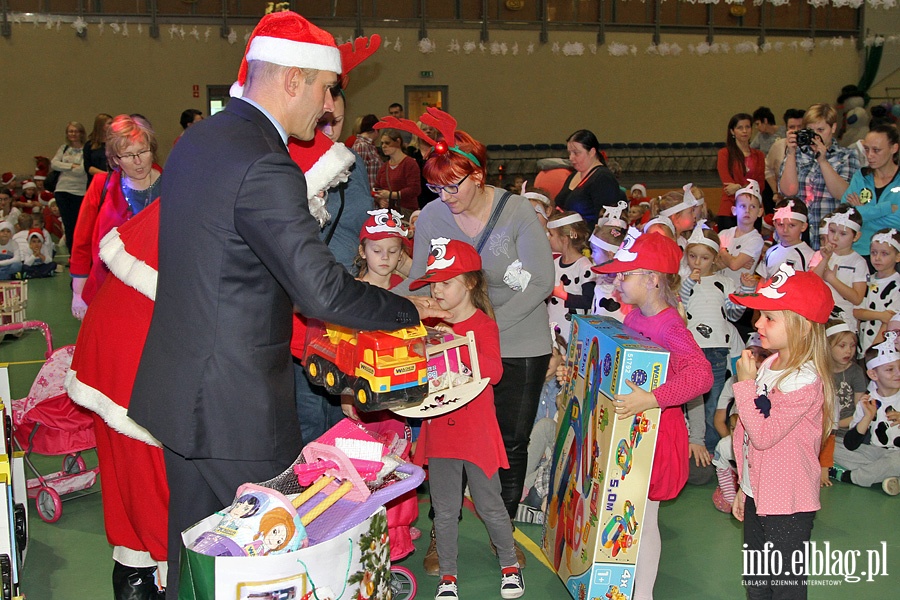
[(426, 74)]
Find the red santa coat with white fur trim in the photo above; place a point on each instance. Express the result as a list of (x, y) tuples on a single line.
[(109, 346)]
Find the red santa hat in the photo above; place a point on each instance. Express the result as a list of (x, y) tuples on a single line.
[(287, 39), (46, 197), (28, 184), (7, 179), (43, 167), (324, 164)]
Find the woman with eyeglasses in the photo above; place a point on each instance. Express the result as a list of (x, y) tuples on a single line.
[(518, 266), (72, 182), (131, 184), (398, 182)]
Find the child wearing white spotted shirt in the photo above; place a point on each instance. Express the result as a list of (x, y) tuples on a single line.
[(574, 290), (882, 300)]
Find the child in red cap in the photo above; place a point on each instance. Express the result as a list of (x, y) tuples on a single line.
[(786, 413), (381, 248), (467, 440), (646, 268)]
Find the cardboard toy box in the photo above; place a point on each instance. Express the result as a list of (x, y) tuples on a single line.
[(601, 465)]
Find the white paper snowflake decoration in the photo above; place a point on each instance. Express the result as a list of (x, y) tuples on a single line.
[(195, 33), (555, 48), (173, 30), (397, 45), (530, 49), (427, 46), (469, 47), (807, 44), (140, 29), (503, 48), (101, 26), (232, 36), (453, 47), (206, 34), (115, 27), (495, 48), (515, 49), (592, 48), (617, 49)]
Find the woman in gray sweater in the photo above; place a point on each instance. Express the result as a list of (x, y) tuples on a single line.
[(518, 266)]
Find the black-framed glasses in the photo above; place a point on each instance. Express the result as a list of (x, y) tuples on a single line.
[(133, 157), (451, 189)]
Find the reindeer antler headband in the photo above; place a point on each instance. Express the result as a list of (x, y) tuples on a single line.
[(437, 119), (355, 52)]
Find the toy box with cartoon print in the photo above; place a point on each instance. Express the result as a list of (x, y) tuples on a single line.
[(601, 465)]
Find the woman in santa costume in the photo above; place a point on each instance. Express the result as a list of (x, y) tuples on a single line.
[(109, 347)]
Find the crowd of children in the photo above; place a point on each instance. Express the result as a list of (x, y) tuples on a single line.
[(813, 397), (30, 227)]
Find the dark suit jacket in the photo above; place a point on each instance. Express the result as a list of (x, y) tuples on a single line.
[(238, 249)]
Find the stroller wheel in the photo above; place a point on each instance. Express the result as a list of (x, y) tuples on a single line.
[(6, 576), (73, 463), (49, 505), (403, 583)]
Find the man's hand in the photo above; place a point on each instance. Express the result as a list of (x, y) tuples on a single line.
[(428, 308)]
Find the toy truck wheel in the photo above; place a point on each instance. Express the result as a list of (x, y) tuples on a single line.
[(73, 463), (314, 369), (333, 379), (6, 575), (362, 391), (21, 527), (49, 505), (403, 583)]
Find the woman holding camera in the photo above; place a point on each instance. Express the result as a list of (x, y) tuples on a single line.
[(815, 167), (737, 163)]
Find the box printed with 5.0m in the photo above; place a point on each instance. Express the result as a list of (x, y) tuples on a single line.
[(601, 465)]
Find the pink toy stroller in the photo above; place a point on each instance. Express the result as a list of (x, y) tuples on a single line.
[(48, 422)]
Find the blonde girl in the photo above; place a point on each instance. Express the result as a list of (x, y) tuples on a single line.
[(467, 442), (786, 413), (574, 289), (646, 268)]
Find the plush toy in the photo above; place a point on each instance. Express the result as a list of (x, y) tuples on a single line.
[(851, 97), (857, 126)]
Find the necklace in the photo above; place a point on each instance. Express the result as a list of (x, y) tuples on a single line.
[(139, 199)]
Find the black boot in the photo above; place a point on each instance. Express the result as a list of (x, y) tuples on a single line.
[(133, 583)]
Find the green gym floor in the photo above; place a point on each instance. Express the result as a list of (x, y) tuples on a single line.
[(701, 554)]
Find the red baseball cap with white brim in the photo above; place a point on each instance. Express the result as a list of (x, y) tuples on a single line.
[(448, 258), (797, 291)]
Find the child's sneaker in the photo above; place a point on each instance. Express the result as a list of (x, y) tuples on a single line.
[(448, 590), (719, 501), (836, 472), (891, 486), (512, 584)]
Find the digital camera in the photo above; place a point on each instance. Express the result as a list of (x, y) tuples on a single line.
[(806, 137)]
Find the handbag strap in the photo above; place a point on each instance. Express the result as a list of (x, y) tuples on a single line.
[(105, 188), (495, 215)]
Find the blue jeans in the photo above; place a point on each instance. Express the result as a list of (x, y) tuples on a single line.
[(7, 271), (718, 360), (317, 410)]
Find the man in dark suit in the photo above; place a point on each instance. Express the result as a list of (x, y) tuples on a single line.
[(238, 250)]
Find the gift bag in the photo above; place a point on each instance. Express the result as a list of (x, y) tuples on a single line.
[(354, 564)]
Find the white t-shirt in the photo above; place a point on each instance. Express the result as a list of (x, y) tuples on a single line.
[(750, 244), (797, 256), (766, 379), (851, 268), (881, 294)]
